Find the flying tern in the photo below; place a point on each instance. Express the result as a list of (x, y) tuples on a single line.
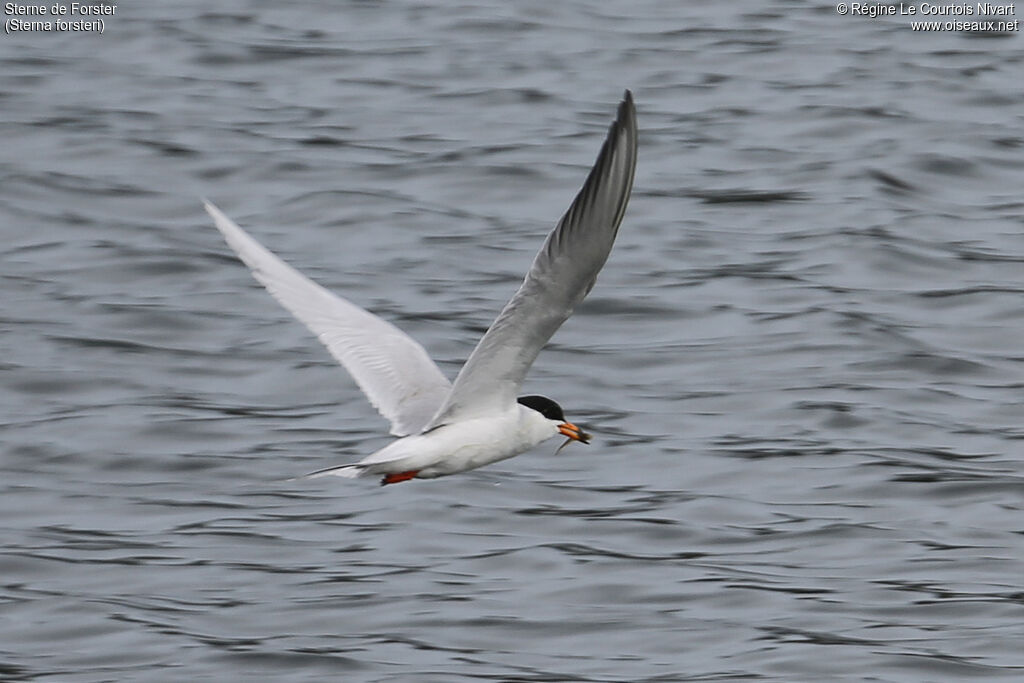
[(448, 427)]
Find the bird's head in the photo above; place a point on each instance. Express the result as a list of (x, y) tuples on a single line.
[(552, 411)]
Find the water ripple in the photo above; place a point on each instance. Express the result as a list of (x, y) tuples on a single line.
[(801, 363)]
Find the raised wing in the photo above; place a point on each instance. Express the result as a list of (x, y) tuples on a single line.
[(561, 275), (391, 368)]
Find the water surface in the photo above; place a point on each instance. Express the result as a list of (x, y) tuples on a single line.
[(802, 363)]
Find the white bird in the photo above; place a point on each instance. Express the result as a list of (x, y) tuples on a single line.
[(444, 427)]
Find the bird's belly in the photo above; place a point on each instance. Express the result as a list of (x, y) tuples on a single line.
[(464, 448), (455, 448), (467, 458)]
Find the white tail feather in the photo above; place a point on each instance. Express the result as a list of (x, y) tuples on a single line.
[(350, 471)]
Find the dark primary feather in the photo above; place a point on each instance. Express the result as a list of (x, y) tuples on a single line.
[(561, 276)]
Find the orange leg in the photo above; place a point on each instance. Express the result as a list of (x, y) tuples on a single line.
[(396, 477)]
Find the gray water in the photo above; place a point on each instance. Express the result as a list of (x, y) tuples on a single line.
[(803, 362)]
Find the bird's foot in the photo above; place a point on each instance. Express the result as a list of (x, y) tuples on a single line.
[(396, 477)]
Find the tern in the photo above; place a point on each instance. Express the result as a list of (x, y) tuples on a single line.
[(449, 427)]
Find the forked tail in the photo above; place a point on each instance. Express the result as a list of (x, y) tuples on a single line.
[(350, 471), (357, 469)]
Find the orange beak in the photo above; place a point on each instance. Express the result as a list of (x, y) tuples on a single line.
[(573, 432)]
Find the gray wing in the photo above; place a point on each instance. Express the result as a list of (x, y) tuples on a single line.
[(561, 275), (391, 368)]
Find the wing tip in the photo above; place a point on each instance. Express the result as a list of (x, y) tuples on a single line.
[(625, 118), (210, 207), (220, 219)]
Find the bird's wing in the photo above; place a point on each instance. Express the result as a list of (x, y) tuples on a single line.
[(391, 368), (561, 275)]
